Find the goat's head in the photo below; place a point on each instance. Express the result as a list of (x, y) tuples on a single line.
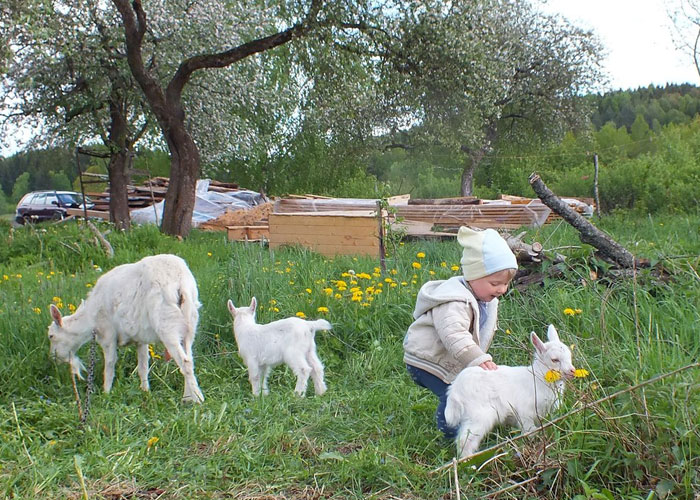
[(242, 312), (64, 343), (554, 354)]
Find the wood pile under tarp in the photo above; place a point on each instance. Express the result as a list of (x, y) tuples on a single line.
[(510, 212)]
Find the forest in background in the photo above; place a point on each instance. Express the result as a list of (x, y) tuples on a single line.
[(651, 135)]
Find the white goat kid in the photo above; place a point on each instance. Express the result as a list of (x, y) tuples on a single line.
[(290, 341), (519, 396), (152, 300)]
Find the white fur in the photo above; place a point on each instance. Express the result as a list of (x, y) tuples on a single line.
[(152, 300), (290, 341), (520, 396)]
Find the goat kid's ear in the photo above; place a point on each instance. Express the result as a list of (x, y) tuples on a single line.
[(253, 304), (231, 307), (56, 315), (539, 345), (552, 334)]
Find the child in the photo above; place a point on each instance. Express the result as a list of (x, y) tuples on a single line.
[(455, 319)]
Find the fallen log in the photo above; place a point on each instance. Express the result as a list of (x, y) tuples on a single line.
[(608, 249)]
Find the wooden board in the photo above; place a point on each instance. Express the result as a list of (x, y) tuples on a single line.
[(247, 233), (329, 233)]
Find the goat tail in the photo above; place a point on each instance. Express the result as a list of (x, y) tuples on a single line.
[(453, 411), (189, 305), (320, 324)]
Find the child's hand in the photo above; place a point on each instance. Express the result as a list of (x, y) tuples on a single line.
[(489, 365)]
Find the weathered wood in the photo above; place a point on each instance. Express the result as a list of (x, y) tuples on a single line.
[(608, 249), (463, 200)]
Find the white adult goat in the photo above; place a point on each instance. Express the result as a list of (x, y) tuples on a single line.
[(520, 396), (290, 341), (154, 299)]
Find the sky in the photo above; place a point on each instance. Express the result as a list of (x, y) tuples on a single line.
[(637, 35)]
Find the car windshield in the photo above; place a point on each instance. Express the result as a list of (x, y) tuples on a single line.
[(69, 199)]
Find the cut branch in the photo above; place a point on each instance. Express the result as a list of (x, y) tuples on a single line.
[(607, 248)]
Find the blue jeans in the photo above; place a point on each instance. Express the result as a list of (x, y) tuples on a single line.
[(439, 388)]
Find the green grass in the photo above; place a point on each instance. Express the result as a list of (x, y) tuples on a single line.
[(372, 435)]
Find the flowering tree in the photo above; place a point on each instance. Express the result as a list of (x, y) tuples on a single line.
[(251, 29), (66, 77), (467, 73)]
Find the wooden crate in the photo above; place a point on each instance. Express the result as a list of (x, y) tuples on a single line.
[(247, 233), (328, 233)]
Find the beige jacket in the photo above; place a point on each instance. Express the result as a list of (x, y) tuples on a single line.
[(445, 337)]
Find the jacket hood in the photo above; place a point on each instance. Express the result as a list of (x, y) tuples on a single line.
[(434, 293)]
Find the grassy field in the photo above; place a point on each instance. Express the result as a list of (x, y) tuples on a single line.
[(372, 434)]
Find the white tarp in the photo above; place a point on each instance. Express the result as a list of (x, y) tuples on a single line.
[(208, 205)]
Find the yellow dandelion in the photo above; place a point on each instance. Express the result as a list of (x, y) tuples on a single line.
[(569, 312), (338, 296), (420, 255), (578, 311), (581, 373), (328, 291), (152, 442), (431, 272), (88, 285), (322, 309), (393, 271), (508, 332), (403, 283), (208, 254), (18, 275), (291, 282), (454, 268), (416, 265), (275, 309), (388, 280), (37, 310), (300, 315), (71, 308), (393, 285), (552, 376), (152, 352), (5, 277), (365, 304), (308, 290)]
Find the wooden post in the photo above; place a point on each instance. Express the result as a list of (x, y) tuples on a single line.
[(595, 184), (80, 176), (382, 251)]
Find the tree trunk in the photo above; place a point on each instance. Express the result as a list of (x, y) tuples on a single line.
[(467, 179), (118, 191), (118, 167), (608, 249), (184, 172)]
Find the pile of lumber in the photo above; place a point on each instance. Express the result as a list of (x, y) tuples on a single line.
[(509, 212)]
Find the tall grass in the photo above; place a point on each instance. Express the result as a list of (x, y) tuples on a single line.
[(372, 435)]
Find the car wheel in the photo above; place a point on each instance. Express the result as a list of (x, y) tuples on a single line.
[(20, 220), (57, 216)]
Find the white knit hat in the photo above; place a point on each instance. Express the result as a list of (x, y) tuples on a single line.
[(485, 252)]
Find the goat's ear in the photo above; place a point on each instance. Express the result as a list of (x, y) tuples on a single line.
[(231, 307), (253, 304), (56, 315), (552, 334), (539, 346)]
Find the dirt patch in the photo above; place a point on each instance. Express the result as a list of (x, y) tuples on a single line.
[(256, 215)]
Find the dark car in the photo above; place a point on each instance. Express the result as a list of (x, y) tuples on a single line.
[(48, 205)]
